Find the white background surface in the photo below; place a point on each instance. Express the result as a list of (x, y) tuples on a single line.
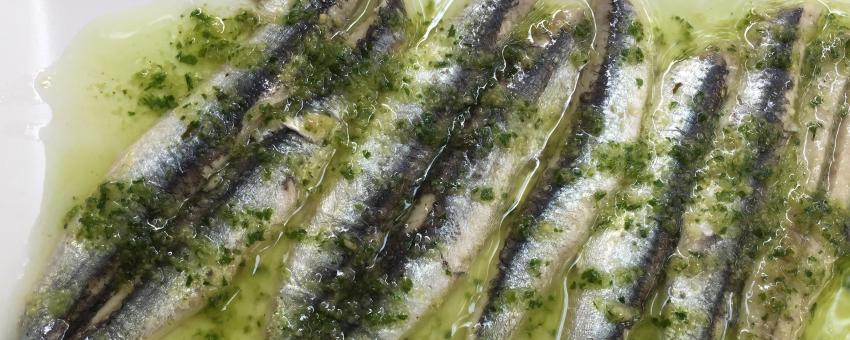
[(33, 34)]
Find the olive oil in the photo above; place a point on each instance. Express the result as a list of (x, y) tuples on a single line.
[(97, 113), (91, 123), (831, 316), (94, 91)]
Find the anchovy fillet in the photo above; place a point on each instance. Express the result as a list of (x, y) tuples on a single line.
[(632, 239), (559, 212), (796, 264), (146, 187), (386, 160), (384, 170), (470, 193), (264, 197), (255, 191), (730, 186)]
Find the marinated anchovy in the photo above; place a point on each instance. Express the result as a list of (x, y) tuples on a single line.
[(383, 159), (382, 172), (632, 239), (730, 190), (470, 192), (795, 265), (838, 185), (258, 189), (111, 233), (559, 213), (263, 197)]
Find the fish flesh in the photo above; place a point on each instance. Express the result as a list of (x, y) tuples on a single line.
[(258, 189), (263, 197), (470, 192), (389, 159), (381, 175), (793, 268), (632, 238), (559, 213), (702, 272), (146, 188)]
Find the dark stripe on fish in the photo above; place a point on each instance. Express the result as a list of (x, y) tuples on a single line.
[(204, 141), (191, 221), (694, 146), (591, 102), (448, 107), (773, 107), (384, 269)]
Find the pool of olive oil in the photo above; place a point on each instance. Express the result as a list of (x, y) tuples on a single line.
[(93, 121), (93, 92)]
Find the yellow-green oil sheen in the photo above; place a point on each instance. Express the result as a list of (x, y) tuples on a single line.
[(94, 121), (831, 316)]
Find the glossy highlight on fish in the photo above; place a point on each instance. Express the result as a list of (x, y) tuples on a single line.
[(465, 200), (632, 238), (395, 170), (702, 273), (559, 214), (268, 184), (793, 268), (92, 275), (383, 173)]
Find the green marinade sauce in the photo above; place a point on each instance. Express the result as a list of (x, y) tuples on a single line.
[(113, 82), (115, 88)]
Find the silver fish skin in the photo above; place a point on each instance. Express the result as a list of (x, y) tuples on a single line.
[(703, 270), (559, 212), (837, 185), (469, 194), (794, 267), (169, 161), (257, 190), (632, 238), (406, 133), (264, 196)]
